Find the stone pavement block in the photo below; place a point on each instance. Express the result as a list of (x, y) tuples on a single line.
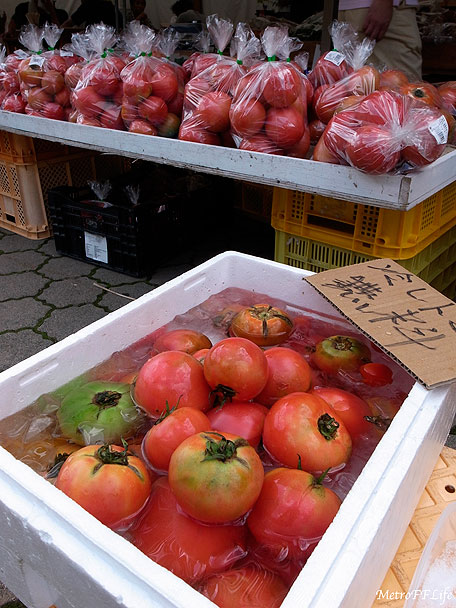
[(20, 261), (25, 313), (17, 346), (63, 323), (79, 290), (111, 278), (20, 285), (64, 268), (111, 301), (48, 248), (15, 242)]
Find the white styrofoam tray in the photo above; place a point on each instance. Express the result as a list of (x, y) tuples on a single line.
[(53, 552)]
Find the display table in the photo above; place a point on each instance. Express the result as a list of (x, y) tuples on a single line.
[(439, 491), (401, 192)]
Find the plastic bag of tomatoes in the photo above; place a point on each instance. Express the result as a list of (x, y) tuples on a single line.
[(152, 87), (363, 80), (3, 74), (50, 96), (98, 95), (30, 69), (193, 65), (78, 47), (385, 132), (13, 100), (333, 65), (269, 109), (208, 95)]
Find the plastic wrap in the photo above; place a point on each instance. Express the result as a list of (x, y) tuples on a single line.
[(387, 132), (209, 95), (31, 70), (361, 82), (202, 46), (10, 95), (100, 189), (78, 47), (333, 65), (152, 87), (98, 95), (269, 109)]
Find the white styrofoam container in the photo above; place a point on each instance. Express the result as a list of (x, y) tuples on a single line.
[(53, 552)]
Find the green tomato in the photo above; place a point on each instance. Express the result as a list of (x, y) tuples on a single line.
[(340, 353), (99, 412)]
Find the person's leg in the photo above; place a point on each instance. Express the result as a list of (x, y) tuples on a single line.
[(401, 46)]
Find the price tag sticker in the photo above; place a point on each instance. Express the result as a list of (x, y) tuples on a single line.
[(439, 129), (96, 247), (21, 54), (334, 57), (66, 53), (37, 61)]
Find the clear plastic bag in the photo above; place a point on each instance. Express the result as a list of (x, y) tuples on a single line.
[(387, 132), (362, 81), (208, 96), (98, 95), (152, 87), (202, 46), (269, 109), (10, 95), (333, 65)]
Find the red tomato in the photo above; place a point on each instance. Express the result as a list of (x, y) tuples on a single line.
[(202, 62), (350, 408), (11, 83), (373, 150), (316, 128), (284, 126), (111, 117), (105, 79), (213, 111), (282, 85), (340, 353), (425, 147), (423, 92), (247, 117), (53, 110), (170, 127), (30, 75), (142, 126), (153, 109), (88, 102), (289, 373), (200, 354), (194, 90), (136, 83), (107, 481), (188, 548), (327, 71), (376, 374), (322, 154), (37, 98), (448, 94), (176, 104), (300, 149), (72, 75), (164, 83), (237, 368), (174, 378), (260, 143), (169, 431), (215, 478), (263, 324), (304, 426), (190, 132), (293, 512), (242, 418), (52, 82), (57, 63), (246, 587), (393, 79), (63, 97), (186, 340)]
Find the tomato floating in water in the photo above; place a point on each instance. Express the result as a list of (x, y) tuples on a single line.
[(351, 409), (215, 478), (376, 374), (108, 482), (289, 372), (340, 353), (185, 340), (263, 324), (242, 418)]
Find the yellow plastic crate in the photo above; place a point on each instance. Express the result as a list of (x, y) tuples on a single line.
[(24, 187), (436, 264), (365, 229), (21, 149)]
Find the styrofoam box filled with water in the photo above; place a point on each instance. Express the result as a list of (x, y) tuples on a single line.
[(54, 552)]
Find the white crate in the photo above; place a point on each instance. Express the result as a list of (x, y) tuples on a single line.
[(54, 552)]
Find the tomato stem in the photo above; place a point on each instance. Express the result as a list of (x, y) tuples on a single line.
[(265, 314), (222, 394), (327, 425), (224, 449), (379, 421), (319, 480), (167, 411), (106, 455), (54, 468), (106, 399)]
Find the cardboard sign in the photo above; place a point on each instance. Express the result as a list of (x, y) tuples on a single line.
[(401, 313)]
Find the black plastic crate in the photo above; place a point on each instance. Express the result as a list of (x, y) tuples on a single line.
[(132, 239)]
